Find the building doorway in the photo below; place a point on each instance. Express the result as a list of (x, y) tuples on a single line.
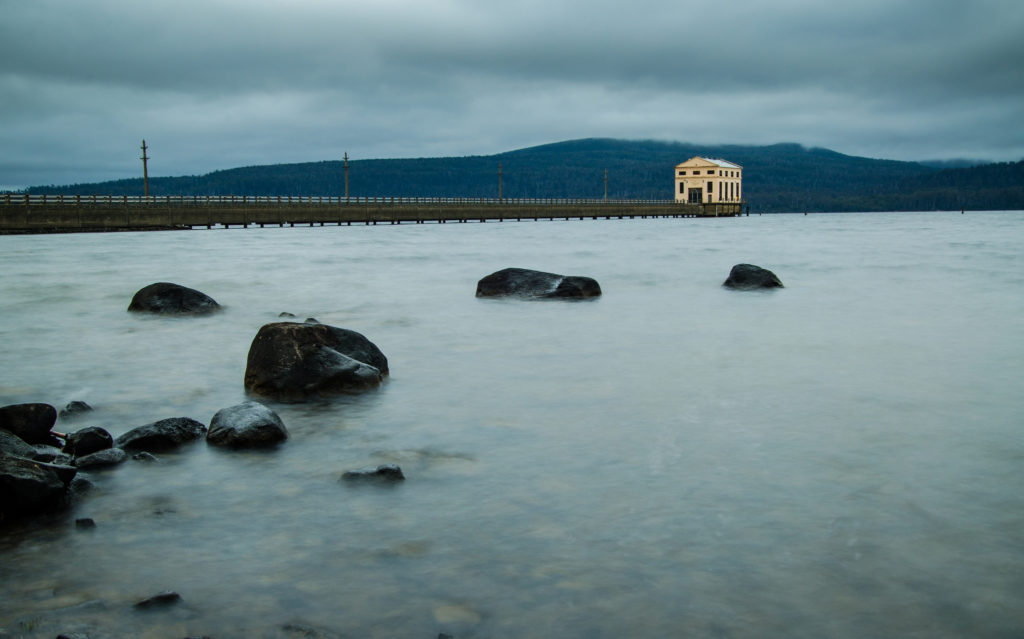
[(695, 196)]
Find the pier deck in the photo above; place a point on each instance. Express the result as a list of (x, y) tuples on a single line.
[(38, 214)]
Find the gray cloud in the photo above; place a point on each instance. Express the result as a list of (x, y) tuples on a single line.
[(223, 83)]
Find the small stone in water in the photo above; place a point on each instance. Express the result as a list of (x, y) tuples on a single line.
[(387, 472), (158, 600), (85, 522)]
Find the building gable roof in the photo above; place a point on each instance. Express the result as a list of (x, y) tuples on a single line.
[(698, 161)]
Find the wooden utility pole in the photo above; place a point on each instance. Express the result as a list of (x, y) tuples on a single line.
[(499, 182), (145, 170), (346, 176)]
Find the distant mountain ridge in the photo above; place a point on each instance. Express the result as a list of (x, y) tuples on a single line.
[(777, 178)]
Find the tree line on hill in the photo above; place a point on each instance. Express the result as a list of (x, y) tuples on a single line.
[(776, 178)]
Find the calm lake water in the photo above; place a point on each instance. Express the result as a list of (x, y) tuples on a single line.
[(843, 457)]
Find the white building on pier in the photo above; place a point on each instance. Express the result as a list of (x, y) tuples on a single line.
[(702, 180)]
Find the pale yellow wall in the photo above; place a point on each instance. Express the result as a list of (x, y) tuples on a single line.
[(725, 183)]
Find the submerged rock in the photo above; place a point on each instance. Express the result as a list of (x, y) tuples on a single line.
[(247, 425), (748, 276), (30, 422), (291, 361), (159, 600), (165, 434), (102, 459), (299, 630), (88, 441), (385, 473), (74, 409), (521, 282), (165, 298)]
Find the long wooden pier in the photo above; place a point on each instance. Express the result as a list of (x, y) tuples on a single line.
[(67, 213)]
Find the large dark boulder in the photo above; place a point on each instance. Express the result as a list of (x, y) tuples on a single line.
[(30, 422), (165, 434), (30, 487), (88, 441), (172, 299), (521, 282), (748, 276), (247, 425), (291, 361)]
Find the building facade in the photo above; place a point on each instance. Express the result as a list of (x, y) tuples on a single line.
[(708, 181)]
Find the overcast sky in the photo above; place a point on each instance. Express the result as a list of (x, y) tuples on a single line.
[(215, 84)]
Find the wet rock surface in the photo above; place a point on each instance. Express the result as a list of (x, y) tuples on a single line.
[(28, 487), (748, 277), (102, 459), (165, 298), (159, 600), (162, 435), (88, 441), (15, 446), (290, 361), (247, 425), (527, 283), (386, 473), (74, 409), (30, 422)]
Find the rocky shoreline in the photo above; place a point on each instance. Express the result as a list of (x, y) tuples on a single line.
[(44, 471)]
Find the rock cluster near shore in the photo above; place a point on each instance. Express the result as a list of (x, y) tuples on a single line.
[(39, 477)]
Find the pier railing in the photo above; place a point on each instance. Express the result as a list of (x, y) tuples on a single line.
[(211, 200)]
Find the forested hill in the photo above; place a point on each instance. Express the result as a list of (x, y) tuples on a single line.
[(777, 178)]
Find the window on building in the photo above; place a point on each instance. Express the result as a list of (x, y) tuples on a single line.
[(682, 187), (682, 173)]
